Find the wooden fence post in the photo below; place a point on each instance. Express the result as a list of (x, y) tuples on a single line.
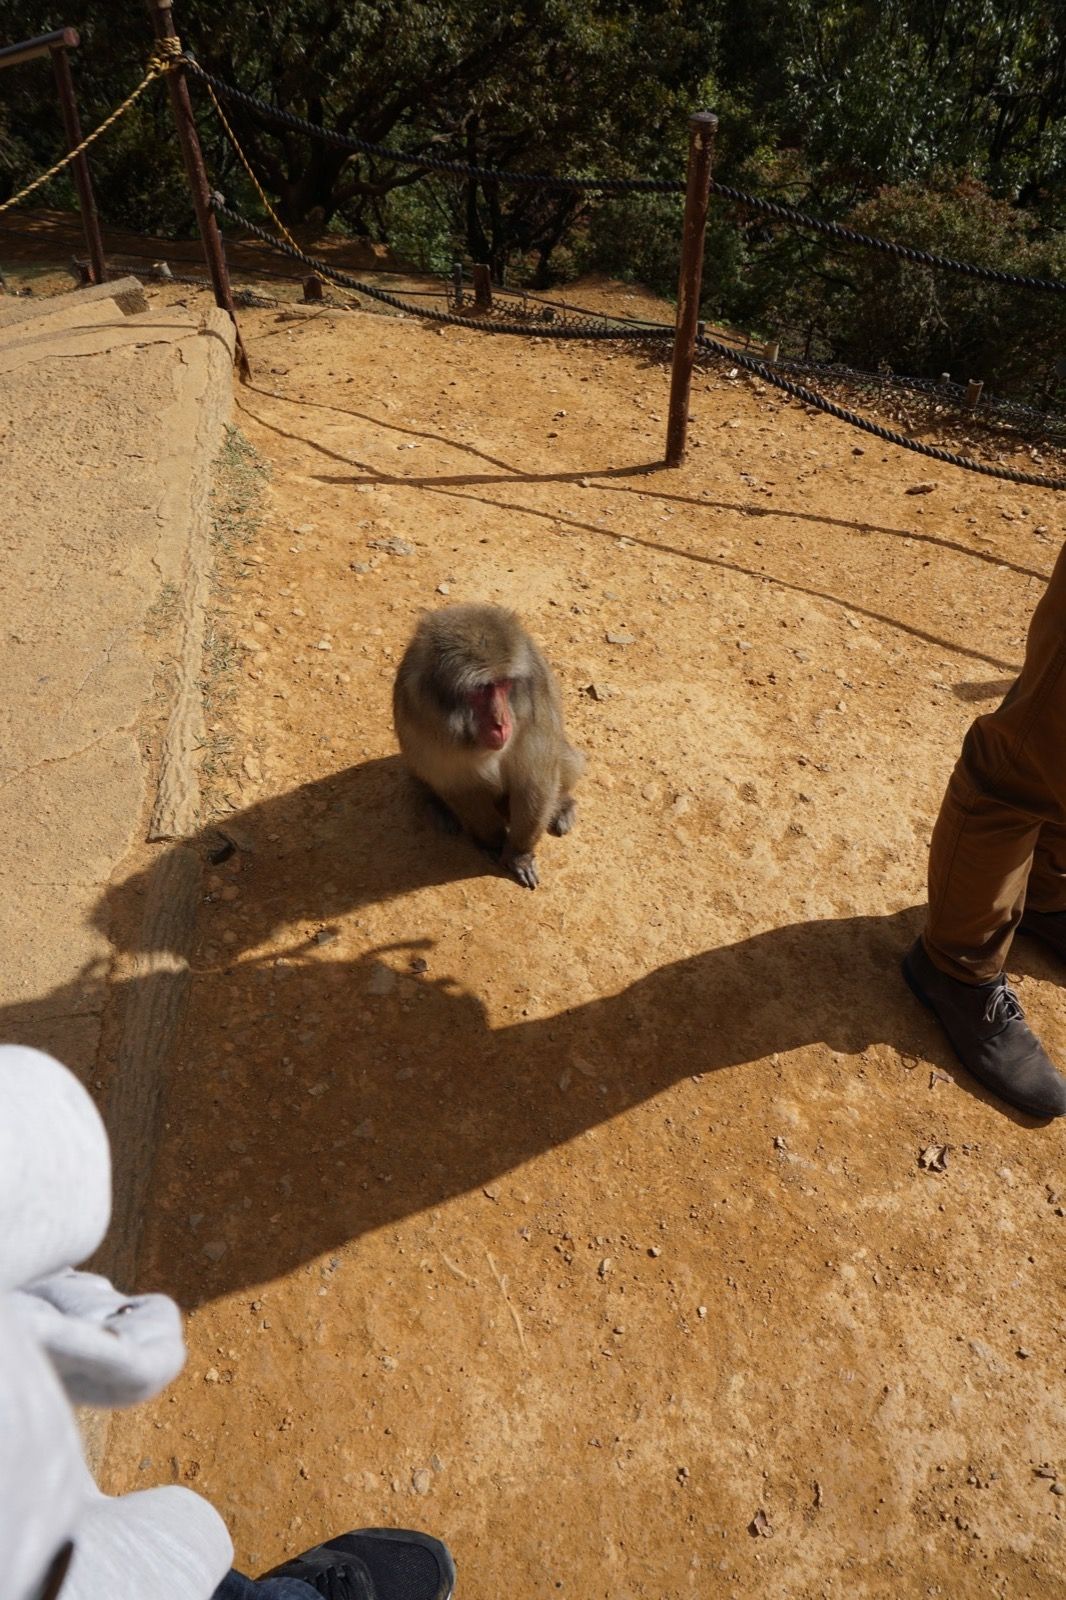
[(703, 126), (482, 289)]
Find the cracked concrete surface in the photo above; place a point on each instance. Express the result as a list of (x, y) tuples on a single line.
[(109, 424)]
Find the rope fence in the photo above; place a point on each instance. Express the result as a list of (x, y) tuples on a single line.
[(714, 347), (536, 317), (160, 62), (553, 183)]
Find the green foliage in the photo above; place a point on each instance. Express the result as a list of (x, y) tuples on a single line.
[(919, 320)]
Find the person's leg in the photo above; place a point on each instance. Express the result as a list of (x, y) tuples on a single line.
[(1006, 794), (1008, 790), (1045, 894)]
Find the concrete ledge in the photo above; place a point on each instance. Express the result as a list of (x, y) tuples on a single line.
[(127, 293)]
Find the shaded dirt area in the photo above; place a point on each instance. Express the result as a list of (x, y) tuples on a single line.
[(581, 1227)]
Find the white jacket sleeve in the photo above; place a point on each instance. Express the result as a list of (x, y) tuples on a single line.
[(108, 1349)]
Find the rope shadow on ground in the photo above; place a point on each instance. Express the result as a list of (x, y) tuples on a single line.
[(600, 478)]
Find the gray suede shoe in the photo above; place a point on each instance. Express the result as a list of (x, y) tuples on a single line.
[(987, 1027)]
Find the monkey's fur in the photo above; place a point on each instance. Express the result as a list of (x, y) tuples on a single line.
[(480, 723)]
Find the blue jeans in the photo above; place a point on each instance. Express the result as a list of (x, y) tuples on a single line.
[(237, 1587)]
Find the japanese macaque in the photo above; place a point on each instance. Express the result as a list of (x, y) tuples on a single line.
[(480, 723)]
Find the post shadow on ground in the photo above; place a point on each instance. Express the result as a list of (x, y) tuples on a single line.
[(420, 1099)]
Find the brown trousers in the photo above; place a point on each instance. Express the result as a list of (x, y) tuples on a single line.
[(999, 843)]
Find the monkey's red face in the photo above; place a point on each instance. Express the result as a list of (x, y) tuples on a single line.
[(491, 705)]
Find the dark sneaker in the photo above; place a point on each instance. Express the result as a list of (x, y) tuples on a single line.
[(987, 1027), (1050, 926), (375, 1564)]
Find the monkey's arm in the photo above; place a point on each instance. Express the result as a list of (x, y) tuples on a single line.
[(530, 812)]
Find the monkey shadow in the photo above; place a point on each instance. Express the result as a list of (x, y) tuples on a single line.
[(318, 853)]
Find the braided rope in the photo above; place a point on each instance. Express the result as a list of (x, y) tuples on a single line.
[(810, 397), (602, 185), (462, 169), (164, 58), (925, 258), (723, 352), (247, 165), (538, 330)]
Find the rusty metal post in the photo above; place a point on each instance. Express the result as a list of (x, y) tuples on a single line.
[(457, 284), (482, 289), (702, 127), (13, 55), (196, 172), (312, 288), (973, 391), (90, 220)]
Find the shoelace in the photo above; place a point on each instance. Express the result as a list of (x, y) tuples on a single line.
[(1003, 1006)]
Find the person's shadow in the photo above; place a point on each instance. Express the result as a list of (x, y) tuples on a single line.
[(315, 1098)]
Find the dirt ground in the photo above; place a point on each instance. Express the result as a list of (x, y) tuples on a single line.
[(586, 1228)]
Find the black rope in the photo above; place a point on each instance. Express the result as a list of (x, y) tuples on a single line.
[(533, 330), (461, 169), (601, 185), (724, 352), (799, 391), (925, 258)]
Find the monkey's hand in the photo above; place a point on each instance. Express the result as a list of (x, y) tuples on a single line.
[(522, 866)]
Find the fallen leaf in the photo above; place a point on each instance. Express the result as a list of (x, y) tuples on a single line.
[(934, 1158), (761, 1526)]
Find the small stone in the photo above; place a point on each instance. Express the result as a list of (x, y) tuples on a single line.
[(1023, 1353), (701, 1312), (392, 546), (1058, 1488), (779, 1142), (215, 1249), (360, 566), (421, 1480), (654, 1250), (390, 1363), (920, 488), (323, 644), (605, 1266), (326, 936), (211, 1375), (620, 638), (444, 588)]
